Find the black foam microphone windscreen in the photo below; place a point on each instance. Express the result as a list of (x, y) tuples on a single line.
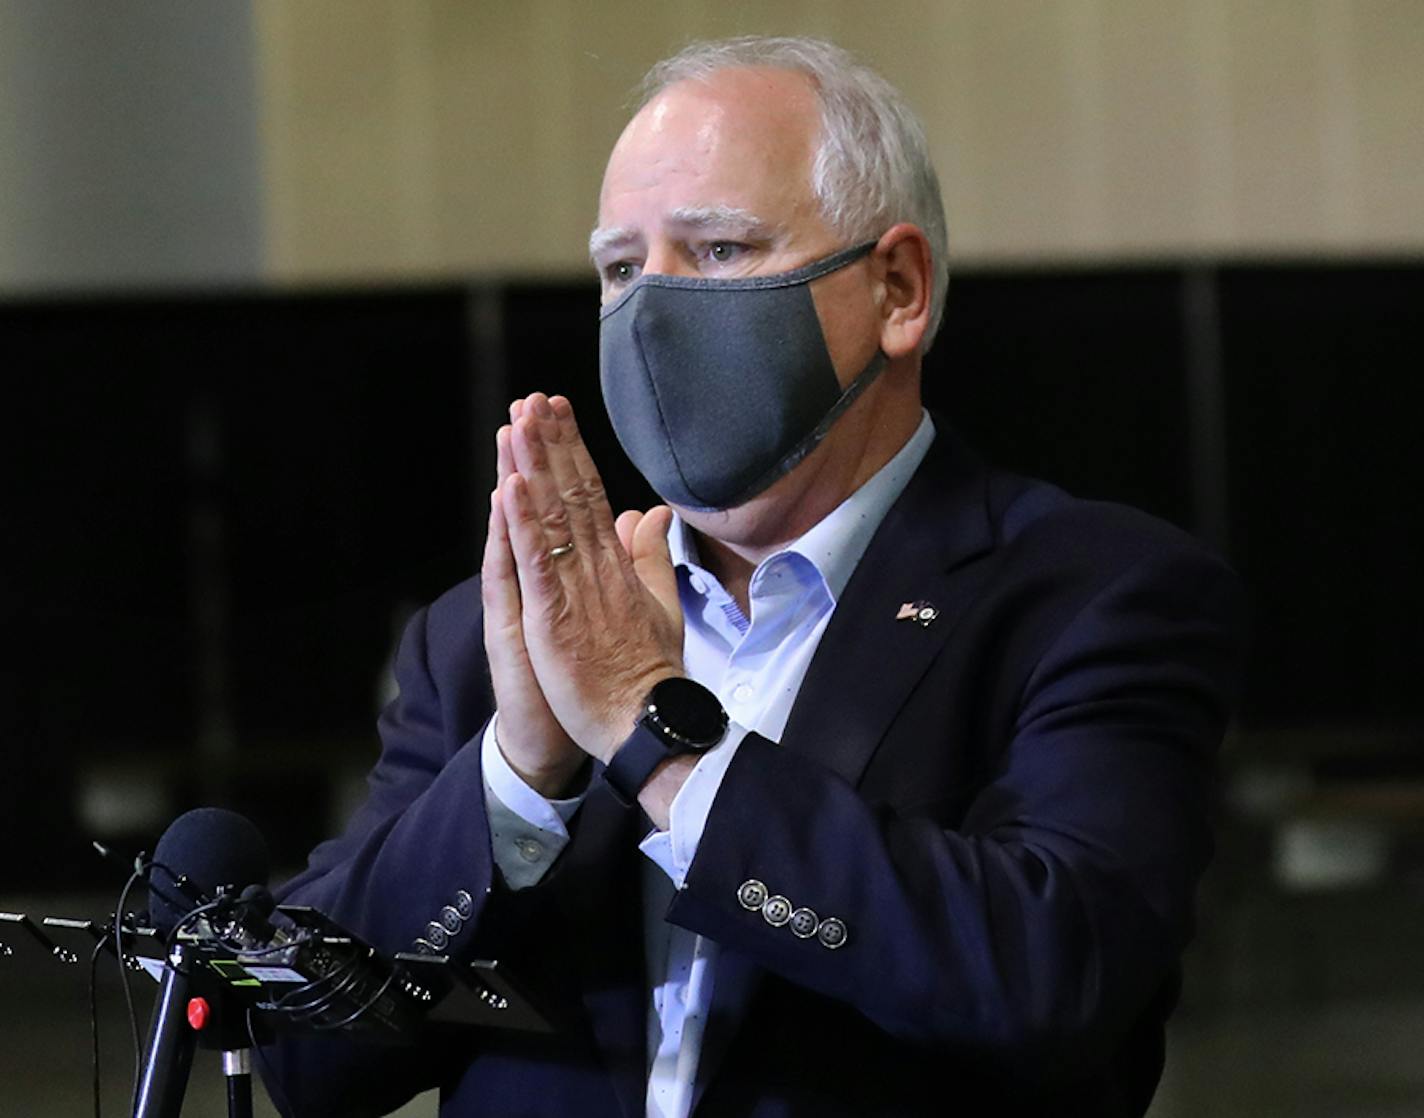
[(211, 847)]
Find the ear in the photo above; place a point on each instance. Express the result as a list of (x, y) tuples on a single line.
[(903, 269)]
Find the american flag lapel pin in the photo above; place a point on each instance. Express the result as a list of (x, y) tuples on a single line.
[(922, 613)]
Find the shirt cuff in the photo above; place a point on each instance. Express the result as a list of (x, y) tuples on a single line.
[(674, 849), (527, 831)]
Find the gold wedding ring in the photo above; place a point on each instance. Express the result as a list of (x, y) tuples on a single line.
[(562, 550)]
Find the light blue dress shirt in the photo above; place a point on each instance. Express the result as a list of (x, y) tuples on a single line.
[(755, 666)]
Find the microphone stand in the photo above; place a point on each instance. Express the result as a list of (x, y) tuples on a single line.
[(237, 1067), (170, 1042), (174, 1036)]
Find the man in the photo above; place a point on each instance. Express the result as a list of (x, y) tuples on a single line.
[(922, 835)]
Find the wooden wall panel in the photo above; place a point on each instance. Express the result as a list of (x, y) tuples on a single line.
[(439, 137)]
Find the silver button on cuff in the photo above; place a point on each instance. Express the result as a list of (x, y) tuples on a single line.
[(776, 911), (752, 895), (804, 923), (425, 947), (439, 938), (452, 920), (831, 933), (464, 904)]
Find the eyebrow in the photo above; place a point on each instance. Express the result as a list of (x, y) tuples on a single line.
[(744, 222), (601, 240), (722, 217)]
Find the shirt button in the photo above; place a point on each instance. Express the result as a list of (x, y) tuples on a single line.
[(743, 692), (529, 849)]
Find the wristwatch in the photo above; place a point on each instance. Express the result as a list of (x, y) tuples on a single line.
[(679, 716)]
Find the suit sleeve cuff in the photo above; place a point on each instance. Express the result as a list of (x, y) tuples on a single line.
[(527, 831), (674, 849)]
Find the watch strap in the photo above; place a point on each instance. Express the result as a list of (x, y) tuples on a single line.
[(633, 763)]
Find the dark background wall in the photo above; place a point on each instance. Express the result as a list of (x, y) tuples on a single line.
[(218, 509)]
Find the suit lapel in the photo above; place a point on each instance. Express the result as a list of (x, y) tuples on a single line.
[(870, 658), (869, 661), (602, 905)]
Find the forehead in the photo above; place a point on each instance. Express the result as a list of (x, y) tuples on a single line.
[(742, 138)]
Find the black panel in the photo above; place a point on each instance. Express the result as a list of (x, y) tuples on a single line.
[(94, 492), (1326, 473), (254, 483), (93, 638), (345, 430), (1074, 377), (551, 345)]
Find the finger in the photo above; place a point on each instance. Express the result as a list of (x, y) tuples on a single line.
[(503, 453), (531, 463), (540, 588), (625, 526), (652, 559), (581, 499), (591, 482), (499, 586)]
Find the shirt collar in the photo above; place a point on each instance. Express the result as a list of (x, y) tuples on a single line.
[(836, 543)]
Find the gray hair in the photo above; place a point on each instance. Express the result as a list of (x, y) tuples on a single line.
[(872, 168)]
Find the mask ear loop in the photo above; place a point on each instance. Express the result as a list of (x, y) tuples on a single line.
[(793, 457), (863, 380)]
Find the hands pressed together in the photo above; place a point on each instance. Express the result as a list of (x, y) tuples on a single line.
[(575, 638)]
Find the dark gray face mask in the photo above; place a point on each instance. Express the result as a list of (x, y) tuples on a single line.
[(717, 388)]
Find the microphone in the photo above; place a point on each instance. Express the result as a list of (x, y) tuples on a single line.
[(291, 967), (208, 854), (205, 853), (216, 908)]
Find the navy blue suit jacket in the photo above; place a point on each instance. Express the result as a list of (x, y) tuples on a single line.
[(1007, 808)]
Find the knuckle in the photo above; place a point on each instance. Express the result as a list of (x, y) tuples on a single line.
[(555, 518), (583, 492)]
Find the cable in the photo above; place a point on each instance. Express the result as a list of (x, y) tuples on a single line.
[(357, 1014), (343, 972), (306, 1011), (262, 952), (94, 1014), (188, 917), (124, 978), (180, 881)]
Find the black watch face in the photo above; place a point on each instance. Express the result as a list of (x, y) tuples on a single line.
[(687, 712)]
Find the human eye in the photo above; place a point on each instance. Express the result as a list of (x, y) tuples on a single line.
[(723, 252), (620, 272)]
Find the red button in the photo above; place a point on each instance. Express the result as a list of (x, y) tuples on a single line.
[(198, 1013)]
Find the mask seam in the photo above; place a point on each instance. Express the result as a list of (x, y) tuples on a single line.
[(808, 273), (662, 414)]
